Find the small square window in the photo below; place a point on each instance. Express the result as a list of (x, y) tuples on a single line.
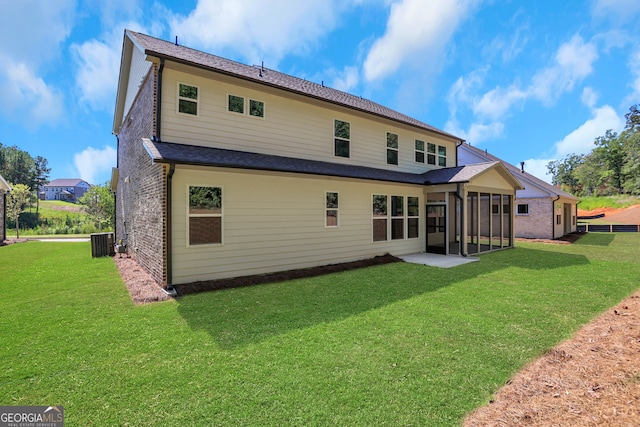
[(236, 104), (256, 108), (523, 209)]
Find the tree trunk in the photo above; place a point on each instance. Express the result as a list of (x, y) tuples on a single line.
[(17, 230)]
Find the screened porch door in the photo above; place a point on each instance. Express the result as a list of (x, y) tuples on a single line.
[(437, 229)]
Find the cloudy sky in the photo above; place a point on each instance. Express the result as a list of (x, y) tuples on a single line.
[(527, 81)]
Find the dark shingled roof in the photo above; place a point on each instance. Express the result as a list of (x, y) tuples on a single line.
[(168, 152), (164, 49)]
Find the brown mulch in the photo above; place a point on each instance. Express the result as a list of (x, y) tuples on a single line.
[(592, 379), (142, 288)]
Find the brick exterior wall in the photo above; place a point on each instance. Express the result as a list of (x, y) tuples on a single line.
[(140, 197), (538, 224)]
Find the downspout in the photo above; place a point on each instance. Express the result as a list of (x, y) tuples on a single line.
[(458, 145), (170, 289), (159, 100), (463, 228), (553, 218)]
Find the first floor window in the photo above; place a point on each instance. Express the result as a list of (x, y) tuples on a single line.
[(379, 208), (523, 209), (341, 138), (397, 217), (392, 148), (413, 217), (558, 219), (331, 209), (205, 215), (187, 99), (392, 211)]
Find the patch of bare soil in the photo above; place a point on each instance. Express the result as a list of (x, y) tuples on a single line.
[(628, 215), (67, 208), (591, 380)]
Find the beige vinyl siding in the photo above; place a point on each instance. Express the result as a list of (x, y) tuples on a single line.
[(137, 72), (293, 126), (276, 222)]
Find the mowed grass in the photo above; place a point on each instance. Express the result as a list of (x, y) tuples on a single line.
[(397, 344)]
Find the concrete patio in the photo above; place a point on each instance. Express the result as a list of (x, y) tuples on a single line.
[(437, 260)]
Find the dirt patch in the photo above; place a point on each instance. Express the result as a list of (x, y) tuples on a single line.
[(591, 380), (628, 215), (66, 208)]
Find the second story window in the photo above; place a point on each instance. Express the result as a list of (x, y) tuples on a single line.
[(342, 138), (419, 151), (256, 108), (392, 148), (431, 153), (236, 104), (442, 156), (187, 99)]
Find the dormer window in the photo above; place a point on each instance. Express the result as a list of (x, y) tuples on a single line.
[(187, 99)]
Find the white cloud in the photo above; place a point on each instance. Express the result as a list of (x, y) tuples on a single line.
[(416, 29), (32, 100), (32, 32), (619, 10), (92, 163), (589, 97), (477, 132), (573, 62), (634, 67), (580, 141), (256, 29), (345, 80)]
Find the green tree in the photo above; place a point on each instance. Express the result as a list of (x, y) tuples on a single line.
[(17, 166), (17, 202), (563, 173), (41, 177), (98, 203)]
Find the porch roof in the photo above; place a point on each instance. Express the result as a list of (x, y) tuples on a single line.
[(169, 152)]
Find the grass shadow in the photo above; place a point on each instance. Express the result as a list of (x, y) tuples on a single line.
[(241, 316), (596, 239)]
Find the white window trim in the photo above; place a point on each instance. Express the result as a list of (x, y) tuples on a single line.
[(397, 150), (326, 209), (334, 137), (264, 108), (188, 215), (407, 217), (178, 98), (522, 204), (244, 104), (423, 151)]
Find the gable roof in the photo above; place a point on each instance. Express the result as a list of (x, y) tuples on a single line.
[(168, 152), (526, 177), (154, 47), (66, 182), (4, 185)]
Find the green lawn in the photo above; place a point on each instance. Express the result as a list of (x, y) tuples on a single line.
[(397, 344)]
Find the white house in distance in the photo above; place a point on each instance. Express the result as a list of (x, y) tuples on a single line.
[(542, 210), (66, 189), (228, 170), (4, 189)]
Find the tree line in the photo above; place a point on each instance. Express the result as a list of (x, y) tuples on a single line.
[(26, 175), (612, 166)]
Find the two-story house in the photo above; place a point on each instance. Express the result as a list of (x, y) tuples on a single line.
[(65, 189), (226, 170), (4, 189), (542, 210)]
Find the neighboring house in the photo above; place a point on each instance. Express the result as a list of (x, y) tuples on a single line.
[(542, 210), (66, 189), (4, 189), (228, 170)]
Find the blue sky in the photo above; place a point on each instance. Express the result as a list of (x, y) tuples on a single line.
[(527, 81)]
